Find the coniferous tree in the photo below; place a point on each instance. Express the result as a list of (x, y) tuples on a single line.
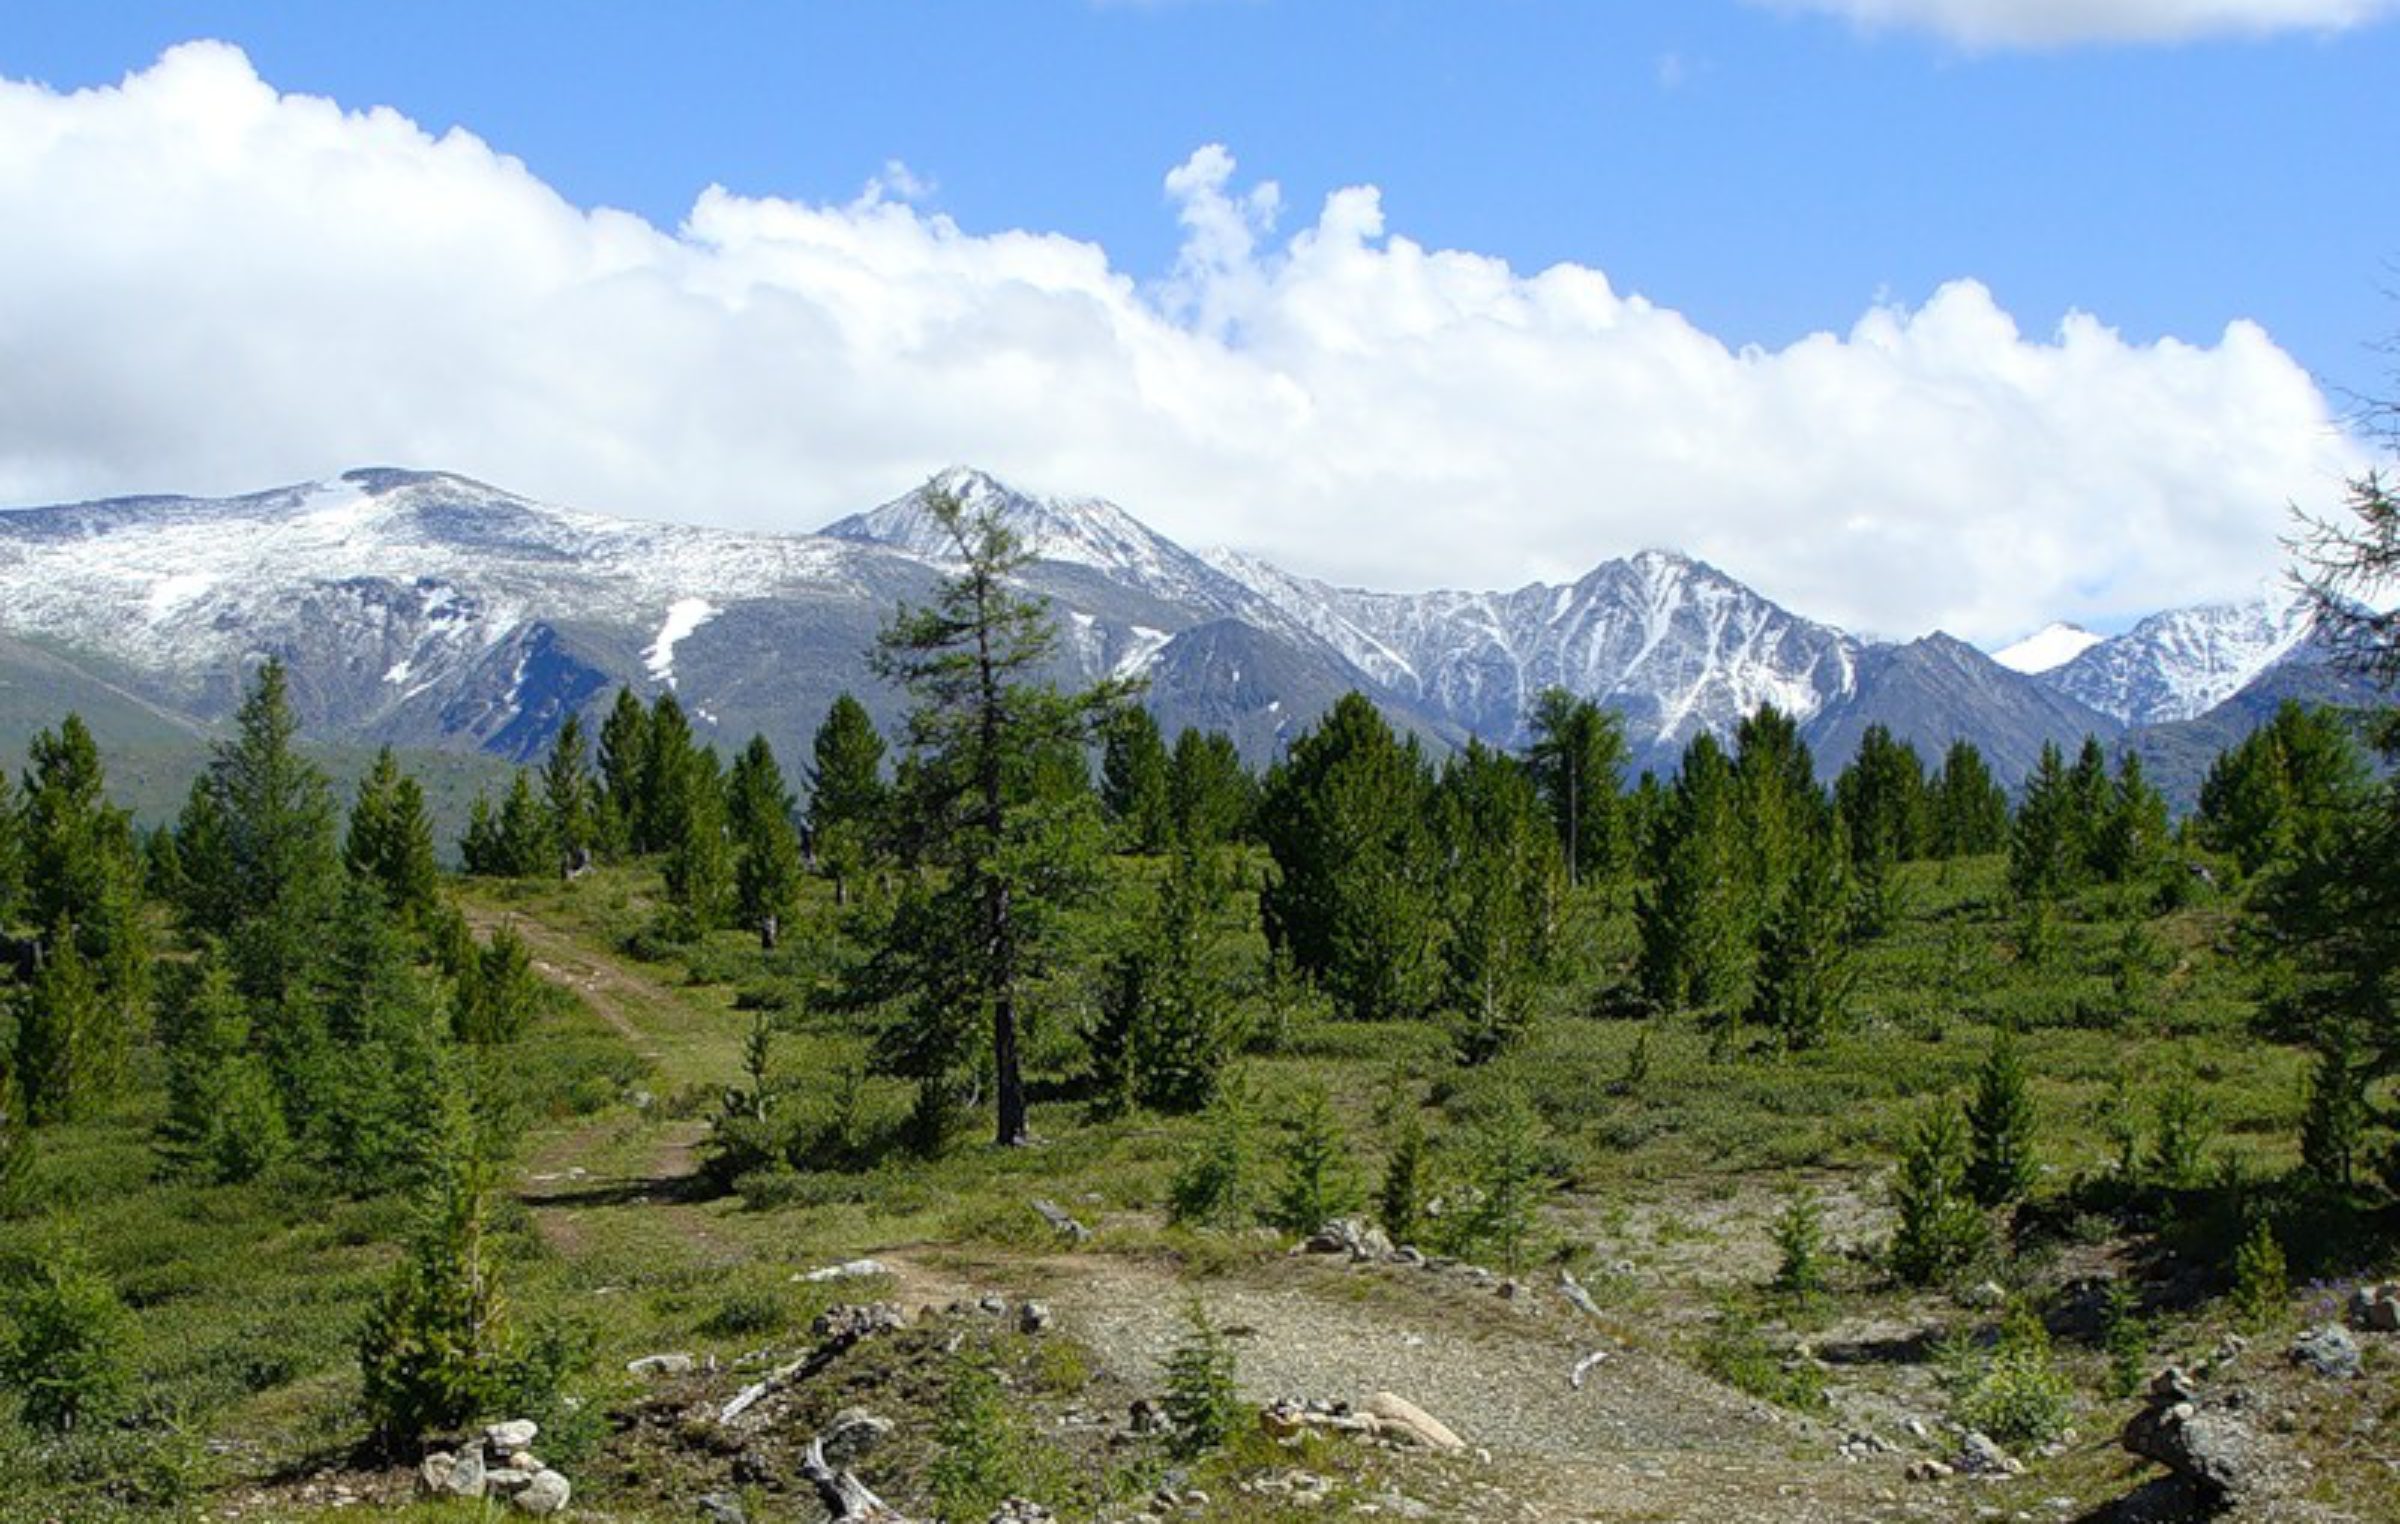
[(2133, 829), (1939, 1229), (848, 800), (390, 841), (1356, 900), (1133, 779), (224, 1113), (989, 799), (528, 848), (1882, 800), (1803, 985), (1692, 916), (260, 855), (1164, 1031), (1577, 750), (1500, 866), (699, 869), (767, 866), (70, 1053), (1504, 1184), (383, 1082), (624, 743), (2333, 1126), (2087, 808), (2000, 1124), (572, 798), (438, 1341), (2285, 793), (2044, 856), (1319, 1182), (671, 759), (1784, 811), (1400, 1200), (83, 876), (1967, 807), (1210, 794), (481, 850)]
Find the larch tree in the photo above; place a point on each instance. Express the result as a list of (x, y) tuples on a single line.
[(985, 735)]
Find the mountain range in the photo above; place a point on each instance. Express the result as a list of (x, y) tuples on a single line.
[(426, 610)]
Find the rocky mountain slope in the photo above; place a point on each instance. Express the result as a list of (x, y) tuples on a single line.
[(425, 609)]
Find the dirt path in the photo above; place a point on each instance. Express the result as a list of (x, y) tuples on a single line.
[(1642, 1438), (608, 989), (561, 1180)]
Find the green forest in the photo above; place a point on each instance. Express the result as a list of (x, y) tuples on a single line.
[(316, 1153)]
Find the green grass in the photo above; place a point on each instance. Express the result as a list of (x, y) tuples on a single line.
[(249, 1298)]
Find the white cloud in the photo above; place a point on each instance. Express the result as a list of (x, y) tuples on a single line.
[(211, 287), (2063, 23)]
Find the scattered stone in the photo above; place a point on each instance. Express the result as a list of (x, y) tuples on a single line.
[(848, 1270), (853, 1434), (511, 1437), (1398, 1414), (466, 1474), (2203, 1440), (545, 1494), (2328, 1350), (1408, 1254), (505, 1481), (1984, 1296), (1033, 1318), (2377, 1308), (1354, 1236), (1978, 1455), (722, 1508), (1147, 1417), (1021, 1511), (1931, 1471), (661, 1365), (1065, 1226), (433, 1472)]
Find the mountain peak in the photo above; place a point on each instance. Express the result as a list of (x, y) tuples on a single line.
[(2046, 649), (1083, 532)]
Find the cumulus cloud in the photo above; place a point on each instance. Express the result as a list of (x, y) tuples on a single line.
[(209, 286), (2063, 23)]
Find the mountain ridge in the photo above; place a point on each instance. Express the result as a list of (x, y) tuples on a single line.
[(428, 608)]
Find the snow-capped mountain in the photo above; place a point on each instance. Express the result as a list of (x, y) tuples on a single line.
[(1087, 532), (2180, 664), (426, 609), (2046, 649), (1672, 643)]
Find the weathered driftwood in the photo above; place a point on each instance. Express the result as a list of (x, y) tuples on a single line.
[(845, 1497), (839, 1328)]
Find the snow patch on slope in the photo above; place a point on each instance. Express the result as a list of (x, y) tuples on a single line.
[(684, 616)]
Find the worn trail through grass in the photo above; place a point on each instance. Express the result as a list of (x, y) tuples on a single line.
[(1644, 1437)]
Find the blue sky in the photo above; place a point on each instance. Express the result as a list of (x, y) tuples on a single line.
[(1759, 173)]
